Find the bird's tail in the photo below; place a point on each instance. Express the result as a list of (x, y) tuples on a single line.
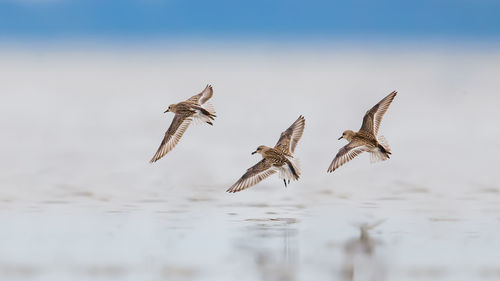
[(294, 168), (385, 145), (205, 113), (210, 108), (382, 152)]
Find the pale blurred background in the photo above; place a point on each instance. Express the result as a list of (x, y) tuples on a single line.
[(84, 85)]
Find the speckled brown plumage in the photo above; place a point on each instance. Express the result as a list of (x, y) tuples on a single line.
[(196, 107), (278, 159), (366, 138)]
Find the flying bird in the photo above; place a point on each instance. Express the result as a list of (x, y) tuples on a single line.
[(366, 138), (275, 159), (194, 108)]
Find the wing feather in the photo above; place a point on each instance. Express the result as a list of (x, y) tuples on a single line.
[(172, 136), (289, 138), (373, 117), (254, 175), (346, 154), (202, 97)]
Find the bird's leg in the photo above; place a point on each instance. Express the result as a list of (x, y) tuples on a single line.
[(284, 182), (288, 181)]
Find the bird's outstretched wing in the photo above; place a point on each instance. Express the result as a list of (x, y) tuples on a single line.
[(202, 97), (289, 138), (172, 136), (346, 154), (373, 117), (254, 175)]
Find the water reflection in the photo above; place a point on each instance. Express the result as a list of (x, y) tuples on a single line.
[(361, 262), (273, 245)]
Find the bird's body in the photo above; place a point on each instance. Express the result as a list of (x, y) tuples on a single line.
[(286, 164), (195, 108), (189, 109), (278, 159), (366, 138)]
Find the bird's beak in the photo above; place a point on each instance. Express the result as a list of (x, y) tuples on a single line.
[(340, 138), (254, 152), (166, 111)]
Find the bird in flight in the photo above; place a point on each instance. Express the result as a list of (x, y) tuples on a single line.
[(275, 159), (366, 138), (194, 108)]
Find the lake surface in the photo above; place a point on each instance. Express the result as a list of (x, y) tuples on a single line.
[(79, 200)]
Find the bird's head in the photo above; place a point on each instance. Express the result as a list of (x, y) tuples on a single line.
[(171, 108), (347, 135), (261, 149)]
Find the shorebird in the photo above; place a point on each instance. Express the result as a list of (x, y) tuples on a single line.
[(194, 108), (366, 138), (275, 159)]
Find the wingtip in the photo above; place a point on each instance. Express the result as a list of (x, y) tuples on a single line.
[(234, 189), (154, 159), (301, 119)]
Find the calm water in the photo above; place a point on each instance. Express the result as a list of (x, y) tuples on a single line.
[(79, 201)]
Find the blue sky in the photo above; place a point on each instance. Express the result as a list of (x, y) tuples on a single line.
[(466, 19)]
